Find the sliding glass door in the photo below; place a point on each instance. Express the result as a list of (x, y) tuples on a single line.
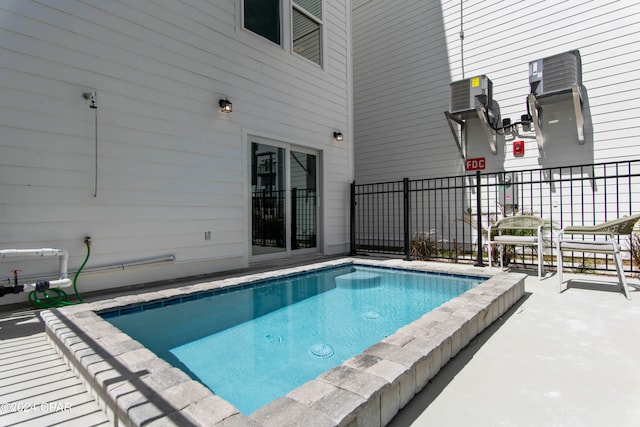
[(284, 198)]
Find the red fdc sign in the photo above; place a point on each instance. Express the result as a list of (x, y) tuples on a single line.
[(477, 164)]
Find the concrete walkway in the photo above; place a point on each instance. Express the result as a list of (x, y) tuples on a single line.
[(570, 359)]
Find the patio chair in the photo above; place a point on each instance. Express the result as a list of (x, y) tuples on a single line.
[(607, 245), (517, 230)]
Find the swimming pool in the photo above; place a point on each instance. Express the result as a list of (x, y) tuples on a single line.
[(283, 333), (136, 387)]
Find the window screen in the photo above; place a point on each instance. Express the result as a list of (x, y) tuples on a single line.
[(314, 7), (306, 33)]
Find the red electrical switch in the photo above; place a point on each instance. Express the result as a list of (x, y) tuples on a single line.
[(518, 148)]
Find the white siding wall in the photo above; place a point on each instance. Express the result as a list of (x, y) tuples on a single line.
[(170, 165), (406, 53)]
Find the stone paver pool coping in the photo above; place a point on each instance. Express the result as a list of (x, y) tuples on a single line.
[(135, 387)]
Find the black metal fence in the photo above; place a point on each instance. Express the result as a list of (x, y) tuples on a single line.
[(445, 218), (268, 226), (268, 218), (304, 218)]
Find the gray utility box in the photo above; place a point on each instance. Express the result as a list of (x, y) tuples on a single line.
[(555, 74), (508, 191), (468, 93)]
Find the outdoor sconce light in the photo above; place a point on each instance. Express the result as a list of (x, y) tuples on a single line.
[(338, 136), (226, 106)]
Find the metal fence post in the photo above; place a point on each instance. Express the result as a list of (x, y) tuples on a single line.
[(352, 220), (407, 219), (479, 262)]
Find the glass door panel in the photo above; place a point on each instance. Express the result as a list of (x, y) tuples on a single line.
[(304, 207), (268, 199)]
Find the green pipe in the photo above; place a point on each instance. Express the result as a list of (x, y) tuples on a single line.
[(56, 297), (87, 242), (51, 298)]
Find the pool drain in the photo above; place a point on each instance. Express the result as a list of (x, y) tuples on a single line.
[(371, 315), (322, 351), (274, 339)]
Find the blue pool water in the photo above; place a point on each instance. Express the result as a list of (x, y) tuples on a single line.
[(253, 345)]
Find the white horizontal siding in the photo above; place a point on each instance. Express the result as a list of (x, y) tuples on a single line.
[(402, 80), (170, 165), (400, 77)]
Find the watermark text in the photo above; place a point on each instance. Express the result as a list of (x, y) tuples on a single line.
[(26, 406)]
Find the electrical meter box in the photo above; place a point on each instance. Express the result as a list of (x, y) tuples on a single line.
[(555, 74), (468, 93), (508, 191)]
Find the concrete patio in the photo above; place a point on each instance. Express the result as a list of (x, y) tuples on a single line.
[(570, 359)]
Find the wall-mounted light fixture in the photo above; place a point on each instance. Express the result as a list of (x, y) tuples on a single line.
[(225, 105), (338, 136)]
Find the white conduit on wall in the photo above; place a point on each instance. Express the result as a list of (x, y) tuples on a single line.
[(62, 255)]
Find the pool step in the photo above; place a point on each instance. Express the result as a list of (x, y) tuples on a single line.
[(358, 280)]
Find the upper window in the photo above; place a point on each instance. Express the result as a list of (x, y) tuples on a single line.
[(263, 18), (307, 23)]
